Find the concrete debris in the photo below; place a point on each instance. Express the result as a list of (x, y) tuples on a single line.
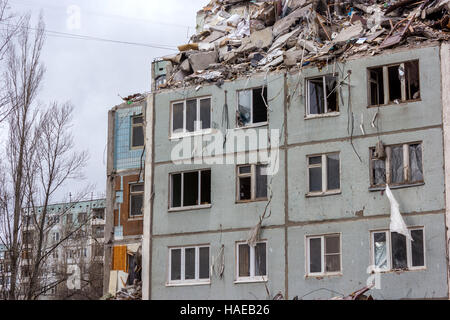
[(236, 38), (131, 292)]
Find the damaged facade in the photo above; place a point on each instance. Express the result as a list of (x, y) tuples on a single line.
[(125, 194), (359, 95)]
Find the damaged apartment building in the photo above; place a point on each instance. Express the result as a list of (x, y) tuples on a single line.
[(125, 193), (349, 100)]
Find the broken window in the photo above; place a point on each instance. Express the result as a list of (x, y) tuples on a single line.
[(191, 188), (190, 264), (322, 95), (324, 254), (402, 164), (136, 199), (252, 106), (393, 251), (394, 83), (251, 261), (191, 115), (324, 173), (252, 182), (137, 131)]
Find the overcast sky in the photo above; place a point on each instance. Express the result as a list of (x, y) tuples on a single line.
[(91, 74)]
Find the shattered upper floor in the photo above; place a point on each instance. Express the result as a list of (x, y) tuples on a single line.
[(240, 37)]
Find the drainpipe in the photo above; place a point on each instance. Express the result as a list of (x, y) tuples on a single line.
[(148, 198)]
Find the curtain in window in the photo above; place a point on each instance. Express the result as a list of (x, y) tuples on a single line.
[(415, 162), (380, 252), (260, 259), (244, 260)]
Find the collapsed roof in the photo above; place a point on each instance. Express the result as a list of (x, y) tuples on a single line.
[(239, 37)]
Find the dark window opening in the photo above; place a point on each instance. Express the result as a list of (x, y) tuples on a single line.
[(137, 133), (190, 188), (315, 255), (417, 252), (245, 189), (399, 259), (175, 272), (252, 106), (322, 95), (395, 90), (376, 86)]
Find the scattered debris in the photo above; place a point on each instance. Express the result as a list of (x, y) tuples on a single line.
[(357, 295), (239, 37), (131, 292)]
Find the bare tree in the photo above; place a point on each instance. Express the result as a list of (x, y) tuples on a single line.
[(40, 160)]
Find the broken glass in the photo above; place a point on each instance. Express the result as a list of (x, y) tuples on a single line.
[(245, 188), (397, 164), (244, 260), (244, 108), (376, 86), (190, 188), (399, 260), (176, 190), (259, 105), (204, 263), (261, 182), (205, 187), (415, 162), (205, 113), (260, 259), (315, 252), (333, 179), (412, 80), (177, 117), (189, 264), (331, 92), (380, 247), (378, 170), (417, 252), (395, 91), (175, 265), (316, 96), (191, 115)]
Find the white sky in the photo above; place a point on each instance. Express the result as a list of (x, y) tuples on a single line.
[(91, 74)]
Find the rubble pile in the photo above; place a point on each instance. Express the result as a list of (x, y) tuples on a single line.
[(131, 292), (239, 37)]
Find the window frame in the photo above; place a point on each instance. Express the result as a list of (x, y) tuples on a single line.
[(251, 123), (385, 75), (197, 130), (387, 166), (388, 234), (308, 114), (183, 208), (252, 176), (323, 166), (323, 271), (132, 126), (183, 281), (135, 193), (252, 257)]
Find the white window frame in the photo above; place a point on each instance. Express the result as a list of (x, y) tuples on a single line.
[(197, 123), (308, 94), (199, 206), (389, 251), (135, 193), (323, 166), (385, 75), (252, 277), (387, 165), (133, 125), (322, 255), (183, 281), (251, 123), (252, 176), (55, 236)]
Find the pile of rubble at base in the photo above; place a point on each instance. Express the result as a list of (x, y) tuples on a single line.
[(239, 37), (131, 292)]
